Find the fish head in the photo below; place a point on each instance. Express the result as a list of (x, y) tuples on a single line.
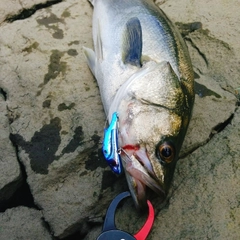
[(153, 119)]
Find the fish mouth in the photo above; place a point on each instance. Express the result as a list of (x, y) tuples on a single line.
[(139, 174)]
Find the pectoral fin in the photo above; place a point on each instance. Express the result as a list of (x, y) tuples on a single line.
[(90, 55), (132, 42)]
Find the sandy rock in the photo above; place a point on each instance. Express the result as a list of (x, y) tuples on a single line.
[(10, 9), (57, 121), (215, 81), (56, 112), (220, 17), (10, 174), (23, 223), (93, 234)]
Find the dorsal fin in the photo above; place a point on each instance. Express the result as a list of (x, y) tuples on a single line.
[(132, 42)]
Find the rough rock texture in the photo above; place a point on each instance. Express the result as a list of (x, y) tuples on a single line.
[(56, 113), (215, 101), (10, 174), (23, 223), (24, 8), (52, 112)]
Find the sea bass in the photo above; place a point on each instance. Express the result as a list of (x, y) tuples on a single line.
[(145, 75)]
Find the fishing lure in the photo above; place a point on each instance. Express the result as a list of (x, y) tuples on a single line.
[(110, 145)]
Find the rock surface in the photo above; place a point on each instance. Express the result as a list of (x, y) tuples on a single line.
[(23, 223), (24, 8), (10, 174), (53, 115)]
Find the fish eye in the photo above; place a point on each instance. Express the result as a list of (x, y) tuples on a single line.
[(166, 152)]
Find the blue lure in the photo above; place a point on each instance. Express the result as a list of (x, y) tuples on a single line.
[(110, 145)]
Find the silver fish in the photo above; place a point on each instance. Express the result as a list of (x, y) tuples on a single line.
[(144, 73)]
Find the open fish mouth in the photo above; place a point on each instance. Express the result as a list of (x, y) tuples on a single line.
[(139, 174)]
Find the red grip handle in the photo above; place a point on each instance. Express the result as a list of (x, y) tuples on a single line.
[(146, 228)]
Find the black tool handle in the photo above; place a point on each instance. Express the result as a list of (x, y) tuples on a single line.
[(109, 223)]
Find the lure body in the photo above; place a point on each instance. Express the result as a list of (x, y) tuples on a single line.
[(110, 145)]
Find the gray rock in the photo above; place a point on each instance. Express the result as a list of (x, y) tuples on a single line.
[(56, 113), (215, 82), (10, 9), (23, 223), (10, 174), (57, 122)]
